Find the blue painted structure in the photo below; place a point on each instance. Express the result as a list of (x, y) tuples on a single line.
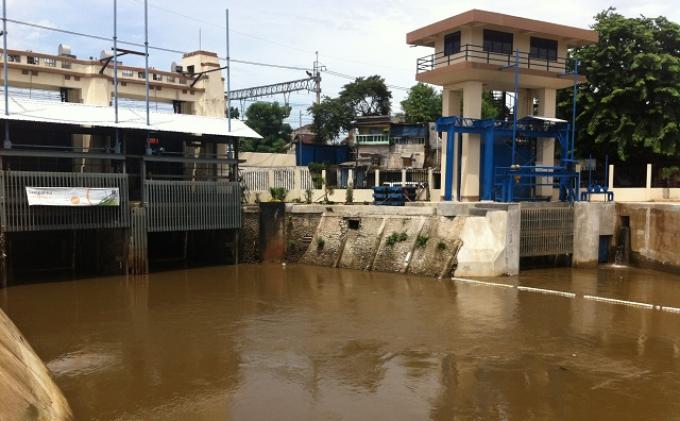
[(322, 154), (515, 177)]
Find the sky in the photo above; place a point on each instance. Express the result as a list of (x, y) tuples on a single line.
[(353, 37)]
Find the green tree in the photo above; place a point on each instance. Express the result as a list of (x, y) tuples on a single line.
[(423, 104), (235, 113), (630, 105), (267, 119), (364, 97)]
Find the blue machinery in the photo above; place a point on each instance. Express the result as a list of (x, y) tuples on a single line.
[(502, 178), (517, 178)]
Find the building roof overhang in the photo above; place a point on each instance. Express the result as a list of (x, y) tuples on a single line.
[(92, 116), (574, 36)]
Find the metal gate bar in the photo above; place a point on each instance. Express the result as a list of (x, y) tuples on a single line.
[(546, 231)]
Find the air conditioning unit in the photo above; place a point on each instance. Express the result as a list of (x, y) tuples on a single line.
[(174, 67)]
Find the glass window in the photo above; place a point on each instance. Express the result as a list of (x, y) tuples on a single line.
[(127, 73), (542, 48), (141, 75), (497, 42), (50, 62), (13, 58), (156, 76), (65, 64), (32, 60), (170, 79), (452, 43)]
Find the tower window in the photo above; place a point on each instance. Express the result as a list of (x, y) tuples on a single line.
[(542, 48), (497, 42), (452, 43)]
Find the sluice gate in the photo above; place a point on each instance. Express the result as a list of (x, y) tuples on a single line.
[(546, 230)]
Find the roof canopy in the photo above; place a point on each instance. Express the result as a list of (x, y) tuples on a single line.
[(573, 36), (128, 118)]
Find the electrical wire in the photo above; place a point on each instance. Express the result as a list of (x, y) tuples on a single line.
[(156, 48)]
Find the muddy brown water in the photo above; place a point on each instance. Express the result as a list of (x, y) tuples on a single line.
[(263, 342)]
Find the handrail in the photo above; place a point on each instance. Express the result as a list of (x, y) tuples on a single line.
[(475, 53)]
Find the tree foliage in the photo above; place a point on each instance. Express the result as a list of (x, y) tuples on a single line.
[(267, 119), (631, 103), (364, 97), (423, 104)]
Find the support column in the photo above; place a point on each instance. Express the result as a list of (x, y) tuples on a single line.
[(470, 154), (451, 105), (610, 182), (377, 177), (545, 151)]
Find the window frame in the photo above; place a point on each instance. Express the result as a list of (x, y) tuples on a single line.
[(448, 37), (493, 41), (543, 52), (33, 60), (50, 62), (13, 58)]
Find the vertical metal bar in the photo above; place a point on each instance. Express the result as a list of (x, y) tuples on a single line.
[(515, 108), (146, 58), (228, 74), (573, 110), (6, 143)]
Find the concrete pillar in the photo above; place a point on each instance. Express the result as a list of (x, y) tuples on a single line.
[(270, 178), (451, 105), (648, 183), (403, 176), (297, 179), (430, 181), (545, 151), (323, 178), (610, 182), (350, 177), (470, 154), (377, 177), (526, 103)]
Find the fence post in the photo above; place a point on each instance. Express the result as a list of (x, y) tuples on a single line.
[(271, 178), (610, 182), (403, 176), (323, 179), (377, 177), (430, 181), (648, 184), (297, 179), (350, 177)]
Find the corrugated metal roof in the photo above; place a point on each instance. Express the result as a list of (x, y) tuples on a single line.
[(99, 116)]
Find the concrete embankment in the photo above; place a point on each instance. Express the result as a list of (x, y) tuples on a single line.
[(431, 240), (27, 392), (654, 233)]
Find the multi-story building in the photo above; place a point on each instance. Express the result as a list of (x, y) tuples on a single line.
[(479, 51)]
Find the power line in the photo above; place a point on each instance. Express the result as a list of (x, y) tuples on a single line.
[(350, 77), (135, 44)]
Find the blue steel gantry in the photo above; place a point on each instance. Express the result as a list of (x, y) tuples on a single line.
[(512, 175)]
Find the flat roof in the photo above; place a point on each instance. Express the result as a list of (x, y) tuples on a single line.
[(21, 109), (574, 36)]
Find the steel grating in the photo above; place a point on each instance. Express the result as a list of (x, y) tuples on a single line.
[(546, 231)]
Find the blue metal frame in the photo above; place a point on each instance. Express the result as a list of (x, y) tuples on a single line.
[(503, 181)]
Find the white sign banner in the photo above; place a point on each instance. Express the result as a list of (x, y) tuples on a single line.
[(72, 196)]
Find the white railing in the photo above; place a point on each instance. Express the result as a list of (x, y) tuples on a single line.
[(373, 139), (290, 178)]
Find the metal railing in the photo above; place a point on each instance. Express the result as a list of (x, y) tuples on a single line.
[(18, 216), (192, 205), (477, 54), (372, 139)]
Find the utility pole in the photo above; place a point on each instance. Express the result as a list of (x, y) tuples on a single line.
[(115, 70), (146, 58), (317, 78)]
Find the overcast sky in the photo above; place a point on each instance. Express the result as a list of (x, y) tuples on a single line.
[(354, 37)]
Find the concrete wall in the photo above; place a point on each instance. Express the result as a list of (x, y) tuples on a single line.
[(423, 239), (654, 233), (591, 220), (27, 392)]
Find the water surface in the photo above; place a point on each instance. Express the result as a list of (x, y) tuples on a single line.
[(262, 342)]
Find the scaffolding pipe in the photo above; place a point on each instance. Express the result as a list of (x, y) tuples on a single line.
[(6, 143), (228, 73), (115, 68), (146, 58)]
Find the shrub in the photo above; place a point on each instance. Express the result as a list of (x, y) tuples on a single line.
[(278, 194), (421, 241)]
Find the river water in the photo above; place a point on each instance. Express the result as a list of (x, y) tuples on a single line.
[(264, 342)]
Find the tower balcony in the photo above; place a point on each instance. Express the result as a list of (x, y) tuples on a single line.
[(495, 68)]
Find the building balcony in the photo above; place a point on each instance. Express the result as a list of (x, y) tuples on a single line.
[(495, 69), (372, 139)]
